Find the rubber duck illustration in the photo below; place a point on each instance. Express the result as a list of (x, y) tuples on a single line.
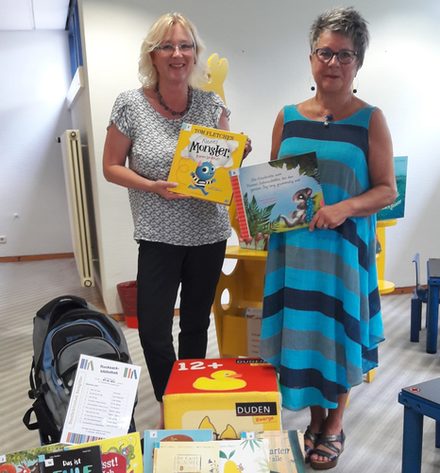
[(221, 380)]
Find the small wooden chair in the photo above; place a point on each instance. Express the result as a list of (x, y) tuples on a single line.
[(420, 296)]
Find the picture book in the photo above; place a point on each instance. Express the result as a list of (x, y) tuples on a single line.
[(78, 460), (202, 161), (121, 454), (186, 457), (153, 437), (276, 196), (397, 208), (26, 460), (286, 449), (245, 456)]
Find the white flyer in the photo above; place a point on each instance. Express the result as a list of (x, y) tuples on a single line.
[(102, 400)]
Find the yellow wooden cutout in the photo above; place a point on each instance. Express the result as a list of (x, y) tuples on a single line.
[(217, 72)]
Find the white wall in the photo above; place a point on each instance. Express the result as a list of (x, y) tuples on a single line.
[(267, 48), (33, 84)]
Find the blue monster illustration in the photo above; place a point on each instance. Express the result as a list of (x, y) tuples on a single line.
[(202, 176)]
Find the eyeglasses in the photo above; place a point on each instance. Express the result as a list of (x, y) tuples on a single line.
[(169, 48), (344, 56)]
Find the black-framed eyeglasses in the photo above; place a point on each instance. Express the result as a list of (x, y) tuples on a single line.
[(344, 56), (169, 48)]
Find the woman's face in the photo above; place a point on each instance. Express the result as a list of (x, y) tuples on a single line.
[(333, 76), (175, 58)]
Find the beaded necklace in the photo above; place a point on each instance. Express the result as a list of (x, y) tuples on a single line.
[(168, 109)]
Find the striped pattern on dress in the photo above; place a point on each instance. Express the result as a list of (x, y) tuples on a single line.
[(321, 314)]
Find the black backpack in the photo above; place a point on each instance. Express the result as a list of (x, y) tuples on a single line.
[(65, 328)]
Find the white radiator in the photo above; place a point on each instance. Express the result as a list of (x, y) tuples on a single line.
[(77, 202)]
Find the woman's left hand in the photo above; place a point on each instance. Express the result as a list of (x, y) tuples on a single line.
[(330, 216)]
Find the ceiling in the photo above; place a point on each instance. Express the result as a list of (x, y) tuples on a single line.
[(33, 14)]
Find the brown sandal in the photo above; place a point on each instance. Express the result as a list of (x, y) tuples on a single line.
[(328, 441), (313, 438)]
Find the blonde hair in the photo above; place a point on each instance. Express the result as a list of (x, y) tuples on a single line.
[(147, 72)]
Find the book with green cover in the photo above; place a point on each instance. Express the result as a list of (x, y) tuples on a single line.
[(276, 196), (26, 461)]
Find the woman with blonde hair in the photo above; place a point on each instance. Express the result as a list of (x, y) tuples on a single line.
[(181, 240)]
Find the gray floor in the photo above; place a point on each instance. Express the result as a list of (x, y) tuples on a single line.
[(373, 420)]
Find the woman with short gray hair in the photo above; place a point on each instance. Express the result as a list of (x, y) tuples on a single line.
[(322, 322)]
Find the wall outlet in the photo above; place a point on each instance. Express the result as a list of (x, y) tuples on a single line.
[(3, 239)]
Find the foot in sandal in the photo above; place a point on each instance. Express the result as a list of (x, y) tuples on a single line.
[(328, 449)]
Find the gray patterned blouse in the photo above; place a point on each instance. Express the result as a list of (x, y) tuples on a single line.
[(188, 222)]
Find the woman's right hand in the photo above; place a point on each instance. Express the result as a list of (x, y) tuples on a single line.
[(161, 188)]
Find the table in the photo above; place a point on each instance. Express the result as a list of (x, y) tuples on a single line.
[(433, 270), (419, 400)]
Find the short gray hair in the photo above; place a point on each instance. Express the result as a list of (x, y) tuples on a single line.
[(147, 72), (346, 21)]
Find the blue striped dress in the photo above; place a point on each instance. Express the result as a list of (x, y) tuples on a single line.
[(322, 321)]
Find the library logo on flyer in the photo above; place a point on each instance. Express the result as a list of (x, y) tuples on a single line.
[(86, 364), (130, 373)]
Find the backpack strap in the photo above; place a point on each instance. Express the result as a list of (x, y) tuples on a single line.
[(48, 308)]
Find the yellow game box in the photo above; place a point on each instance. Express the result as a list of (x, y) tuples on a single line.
[(229, 396)]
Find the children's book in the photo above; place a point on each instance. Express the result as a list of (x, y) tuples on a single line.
[(202, 161), (276, 196), (244, 456), (78, 460), (121, 454), (25, 461), (153, 437), (186, 457), (286, 449), (397, 208)]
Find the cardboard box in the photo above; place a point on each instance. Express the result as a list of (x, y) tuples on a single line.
[(227, 395)]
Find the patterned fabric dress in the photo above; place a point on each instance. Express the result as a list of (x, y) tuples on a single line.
[(321, 315)]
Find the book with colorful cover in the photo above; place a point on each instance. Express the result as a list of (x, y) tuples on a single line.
[(397, 208), (152, 438), (78, 460), (276, 196), (286, 449), (26, 460), (186, 457), (121, 454), (244, 456), (202, 161)]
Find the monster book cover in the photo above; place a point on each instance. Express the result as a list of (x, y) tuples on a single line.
[(276, 196), (202, 161)]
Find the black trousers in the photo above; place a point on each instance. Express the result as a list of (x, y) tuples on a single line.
[(161, 269)]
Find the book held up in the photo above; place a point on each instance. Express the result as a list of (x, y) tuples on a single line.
[(202, 161), (276, 196)]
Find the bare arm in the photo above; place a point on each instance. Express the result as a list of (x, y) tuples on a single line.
[(116, 149), (276, 135), (383, 183)]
